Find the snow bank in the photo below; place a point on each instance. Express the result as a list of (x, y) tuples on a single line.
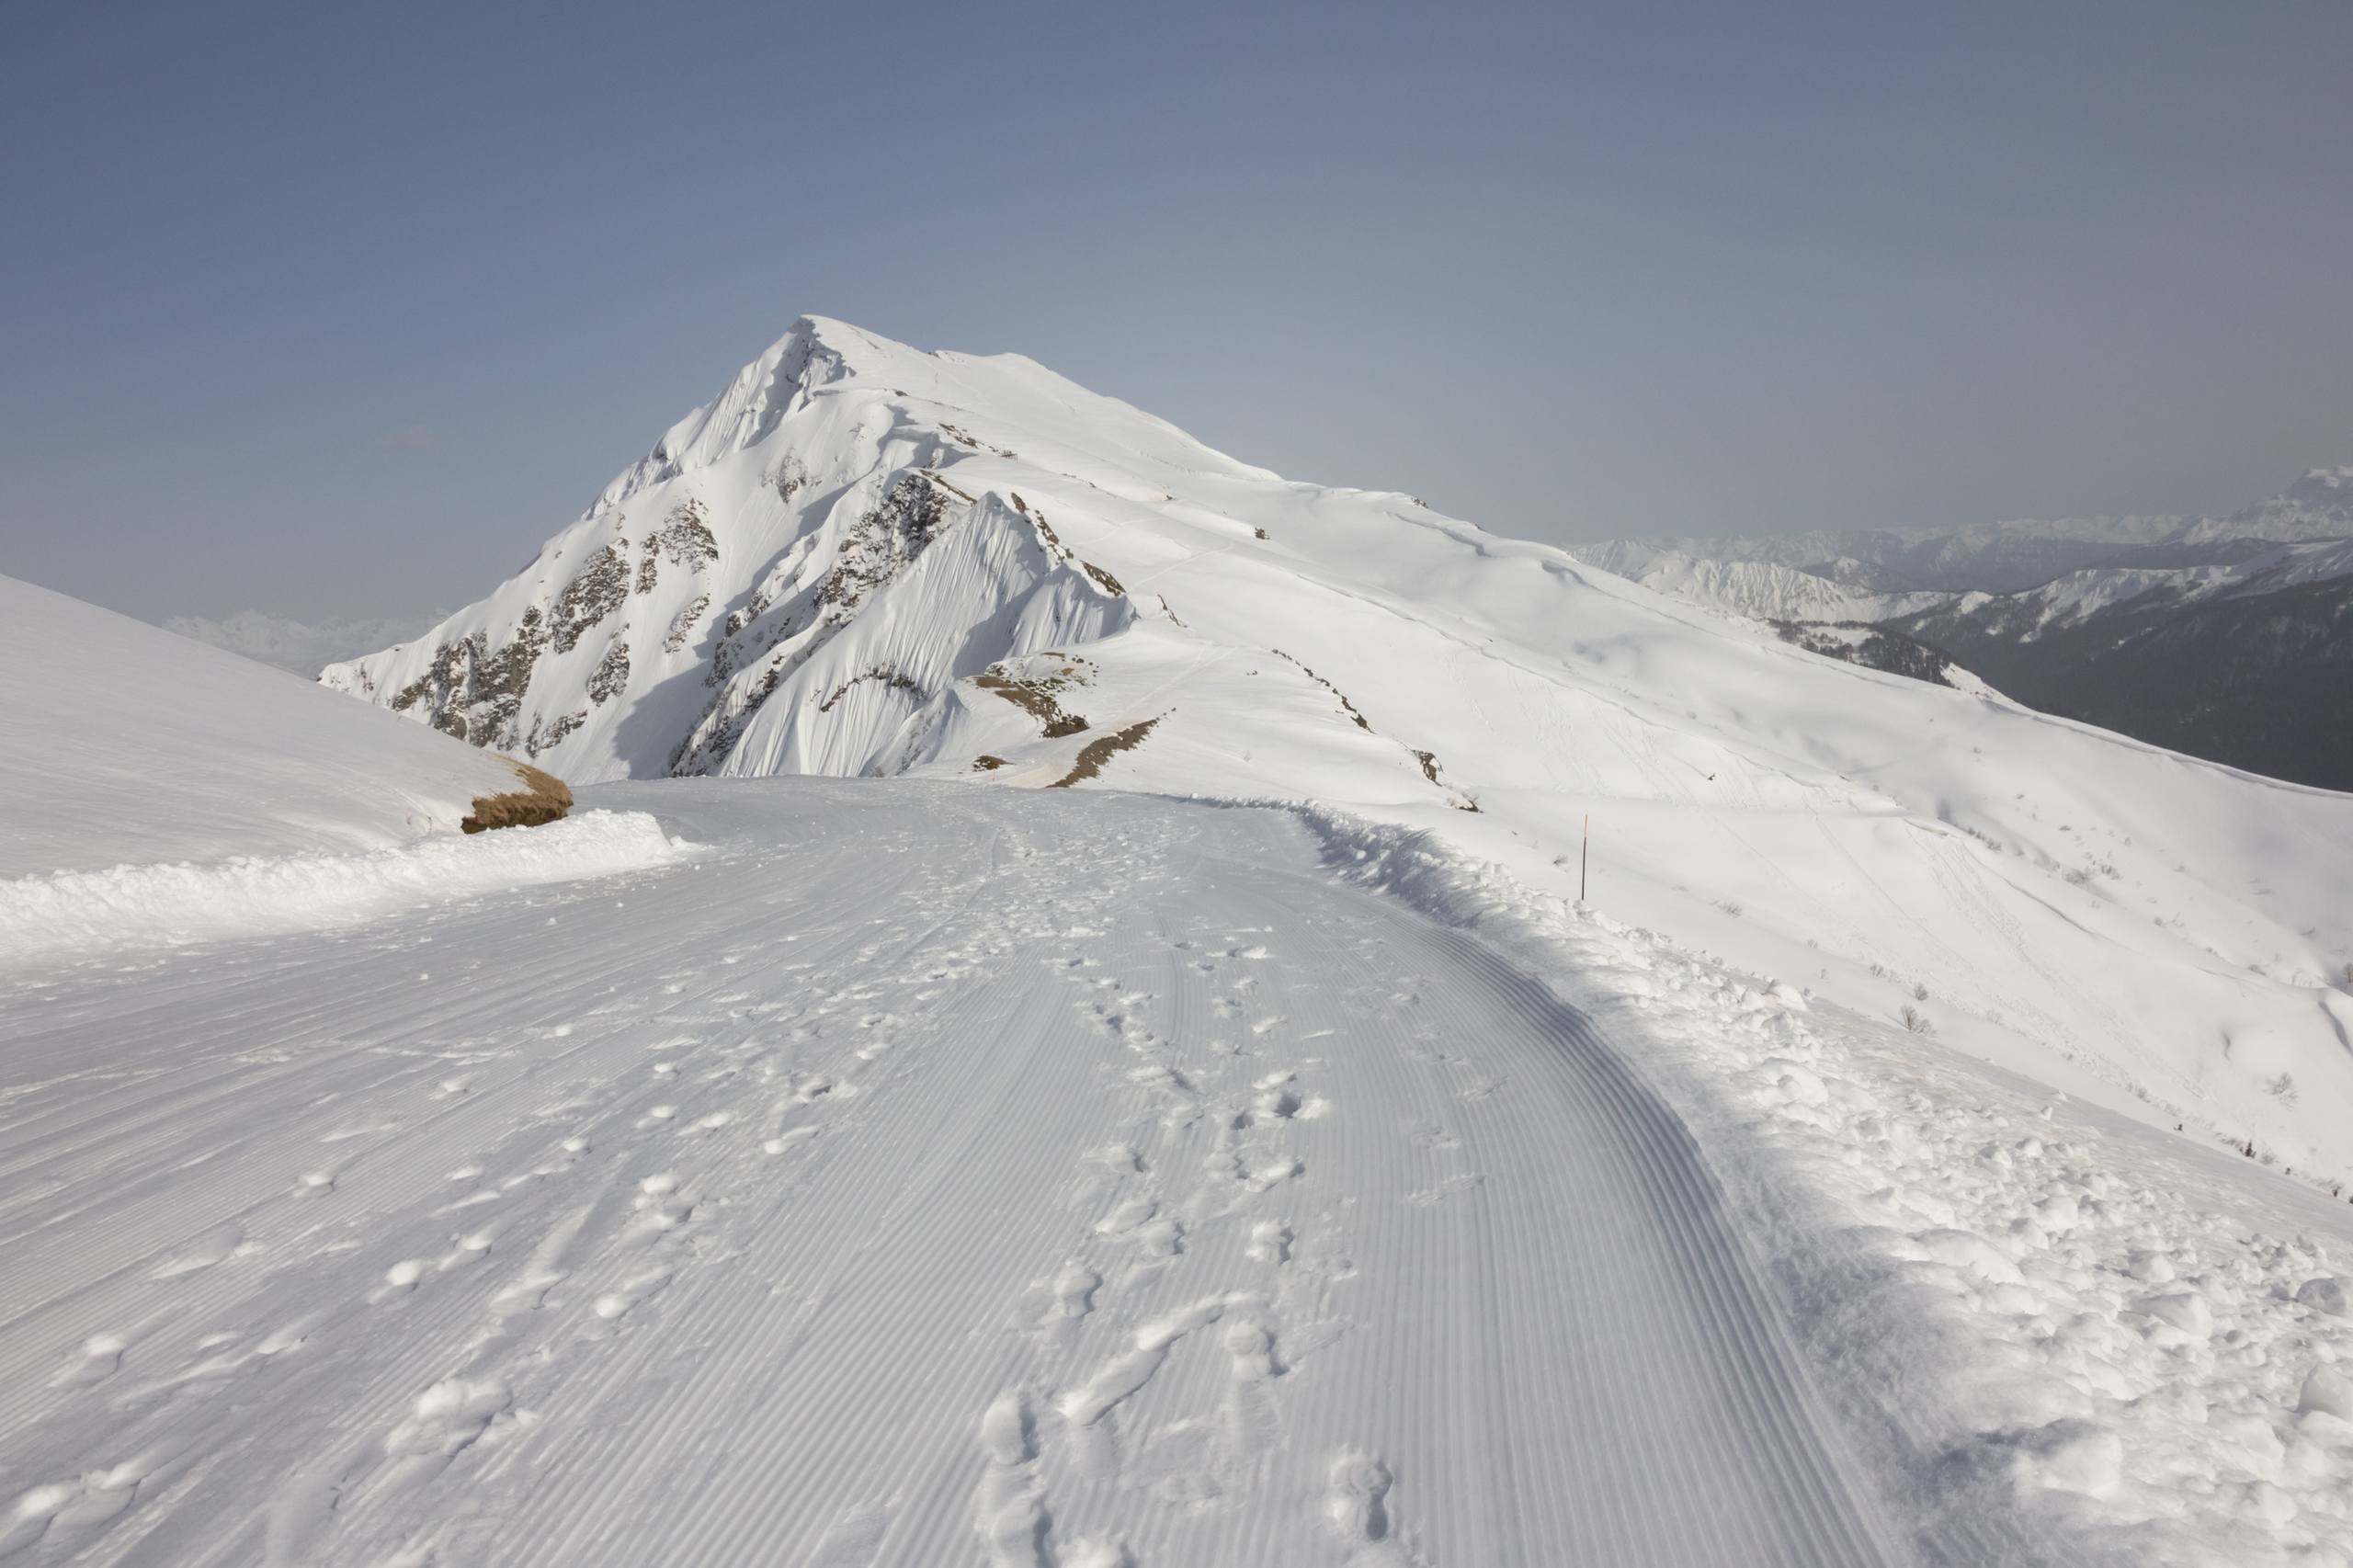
[(133, 906), (2037, 1310)]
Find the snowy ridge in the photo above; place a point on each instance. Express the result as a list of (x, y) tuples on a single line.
[(1763, 590), (868, 560), (2319, 505), (2032, 575), (2078, 596), (84, 912)]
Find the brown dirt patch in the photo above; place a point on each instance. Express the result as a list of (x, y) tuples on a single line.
[(1094, 754), (544, 798)]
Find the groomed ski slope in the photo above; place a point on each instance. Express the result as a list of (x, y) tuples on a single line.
[(918, 1176)]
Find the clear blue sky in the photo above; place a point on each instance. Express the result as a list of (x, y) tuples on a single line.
[(334, 310)]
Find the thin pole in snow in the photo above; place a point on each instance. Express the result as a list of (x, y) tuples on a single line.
[(1585, 845)]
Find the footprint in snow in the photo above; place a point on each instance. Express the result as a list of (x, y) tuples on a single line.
[(443, 1421), (212, 1248), (1356, 1502), (99, 1359), (399, 1280), (632, 1292), (1009, 1506), (660, 1206), (1161, 1238), (1127, 1217)]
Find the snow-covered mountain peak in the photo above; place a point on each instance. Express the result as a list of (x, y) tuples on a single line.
[(864, 559), (2320, 504), (948, 398)]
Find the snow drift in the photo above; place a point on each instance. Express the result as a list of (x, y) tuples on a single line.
[(161, 905)]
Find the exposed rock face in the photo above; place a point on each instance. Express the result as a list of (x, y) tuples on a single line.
[(474, 687), (601, 588), (809, 579)]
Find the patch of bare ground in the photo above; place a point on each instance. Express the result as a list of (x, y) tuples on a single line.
[(1038, 694), (544, 798), (1430, 762), (1094, 754), (985, 763)]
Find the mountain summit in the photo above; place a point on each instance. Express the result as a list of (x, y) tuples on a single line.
[(862, 559)]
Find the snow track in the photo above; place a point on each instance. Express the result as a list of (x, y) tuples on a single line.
[(923, 1175)]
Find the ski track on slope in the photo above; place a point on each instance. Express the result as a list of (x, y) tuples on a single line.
[(918, 1178)]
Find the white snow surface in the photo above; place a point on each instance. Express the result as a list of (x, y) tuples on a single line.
[(2021, 1303), (2166, 936), (120, 744), (1763, 590), (922, 1174), (124, 908)]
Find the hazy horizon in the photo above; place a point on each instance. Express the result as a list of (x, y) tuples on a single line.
[(336, 318)]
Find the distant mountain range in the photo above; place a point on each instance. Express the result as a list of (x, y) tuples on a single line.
[(2228, 638), (300, 646)]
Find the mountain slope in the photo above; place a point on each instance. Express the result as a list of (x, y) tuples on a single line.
[(160, 792), (2257, 668), (129, 744), (867, 559)]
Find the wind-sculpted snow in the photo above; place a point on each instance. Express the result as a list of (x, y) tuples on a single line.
[(83, 912), (920, 1176)]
